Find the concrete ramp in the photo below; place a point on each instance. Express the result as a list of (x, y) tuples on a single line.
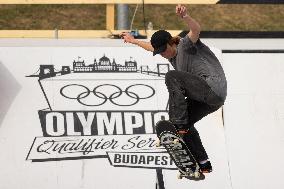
[(254, 118)]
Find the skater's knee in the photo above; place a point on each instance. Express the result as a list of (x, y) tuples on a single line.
[(170, 76), (162, 122), (171, 73)]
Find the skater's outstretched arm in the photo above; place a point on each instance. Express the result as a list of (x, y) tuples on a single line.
[(193, 25), (128, 38)]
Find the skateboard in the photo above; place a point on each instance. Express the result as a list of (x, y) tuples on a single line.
[(170, 138)]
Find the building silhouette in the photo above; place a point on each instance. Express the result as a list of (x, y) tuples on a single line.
[(104, 64)]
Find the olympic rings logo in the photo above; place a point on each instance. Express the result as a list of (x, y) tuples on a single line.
[(99, 93)]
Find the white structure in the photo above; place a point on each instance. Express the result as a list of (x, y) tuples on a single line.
[(245, 143)]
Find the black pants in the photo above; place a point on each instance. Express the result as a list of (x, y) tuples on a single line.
[(190, 99)]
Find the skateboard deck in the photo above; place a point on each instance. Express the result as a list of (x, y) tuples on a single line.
[(177, 149)]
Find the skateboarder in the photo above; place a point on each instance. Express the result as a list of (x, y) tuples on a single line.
[(197, 86)]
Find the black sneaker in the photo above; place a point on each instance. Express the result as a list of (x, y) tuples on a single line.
[(206, 167)]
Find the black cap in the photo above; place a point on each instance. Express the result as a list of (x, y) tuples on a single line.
[(159, 41)]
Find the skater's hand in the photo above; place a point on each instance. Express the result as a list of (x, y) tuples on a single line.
[(181, 11), (128, 38)]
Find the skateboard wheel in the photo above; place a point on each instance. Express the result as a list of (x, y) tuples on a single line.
[(158, 143), (176, 141), (179, 176), (196, 174)]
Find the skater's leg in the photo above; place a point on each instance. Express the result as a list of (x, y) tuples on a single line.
[(193, 141), (177, 102), (182, 85), (190, 99), (198, 110)]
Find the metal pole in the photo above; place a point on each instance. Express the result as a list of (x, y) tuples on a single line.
[(122, 17)]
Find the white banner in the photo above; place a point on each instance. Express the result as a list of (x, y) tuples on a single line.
[(84, 117)]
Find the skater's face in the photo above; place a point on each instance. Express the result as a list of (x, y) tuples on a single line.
[(170, 51)]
